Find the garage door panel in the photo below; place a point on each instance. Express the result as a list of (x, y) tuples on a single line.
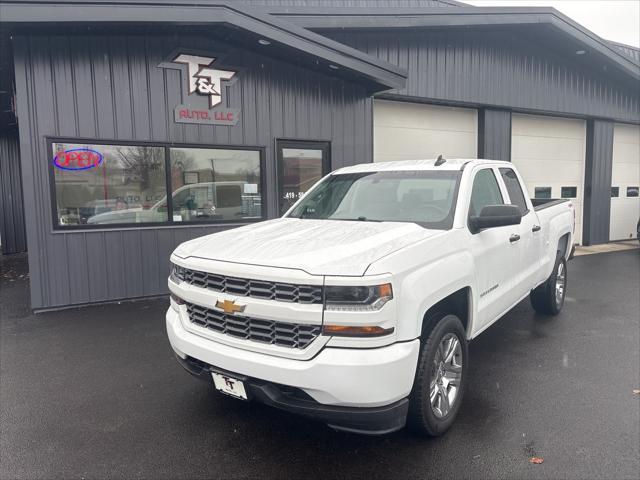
[(535, 170), (625, 172), (556, 189), (563, 170), (423, 143), (550, 127), (627, 153), (409, 131), (624, 215), (551, 148), (550, 152), (627, 135), (429, 117)]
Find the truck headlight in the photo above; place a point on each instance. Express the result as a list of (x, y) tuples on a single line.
[(357, 298), (177, 274)]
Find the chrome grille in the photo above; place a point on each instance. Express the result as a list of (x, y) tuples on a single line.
[(283, 292), (247, 328)]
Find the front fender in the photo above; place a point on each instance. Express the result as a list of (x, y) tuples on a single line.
[(424, 274), (425, 286)]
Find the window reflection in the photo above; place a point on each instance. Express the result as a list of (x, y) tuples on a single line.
[(123, 187), (96, 184), (300, 168), (215, 184)]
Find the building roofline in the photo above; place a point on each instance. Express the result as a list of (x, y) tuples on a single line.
[(385, 4), (625, 45), (629, 50), (321, 18), (455, 3), (277, 30)]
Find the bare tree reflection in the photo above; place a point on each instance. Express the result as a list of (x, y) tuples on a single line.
[(141, 164)]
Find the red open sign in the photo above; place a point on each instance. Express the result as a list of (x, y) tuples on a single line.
[(77, 159)]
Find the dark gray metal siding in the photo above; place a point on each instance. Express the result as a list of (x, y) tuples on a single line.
[(12, 231), (111, 88), (485, 70), (494, 134), (597, 182)]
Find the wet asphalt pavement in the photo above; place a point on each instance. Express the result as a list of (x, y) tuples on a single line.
[(95, 393)]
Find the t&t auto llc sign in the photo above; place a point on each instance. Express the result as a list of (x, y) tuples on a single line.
[(203, 90)]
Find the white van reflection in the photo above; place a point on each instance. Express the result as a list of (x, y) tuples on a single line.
[(194, 202)]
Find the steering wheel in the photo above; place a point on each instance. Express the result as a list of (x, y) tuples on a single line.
[(436, 209)]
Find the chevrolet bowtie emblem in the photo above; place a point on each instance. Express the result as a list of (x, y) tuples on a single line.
[(229, 306)]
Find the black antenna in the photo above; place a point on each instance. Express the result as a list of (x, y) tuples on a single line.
[(439, 161)]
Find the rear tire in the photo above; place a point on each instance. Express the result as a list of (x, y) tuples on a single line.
[(440, 378), (548, 298)]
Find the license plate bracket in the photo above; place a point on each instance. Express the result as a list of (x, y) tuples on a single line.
[(229, 385)]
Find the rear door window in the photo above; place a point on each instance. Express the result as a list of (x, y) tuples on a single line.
[(514, 189)]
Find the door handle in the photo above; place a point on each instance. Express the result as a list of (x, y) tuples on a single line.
[(514, 238), (536, 228)]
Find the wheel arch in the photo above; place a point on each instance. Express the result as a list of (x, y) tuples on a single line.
[(564, 245), (459, 303)]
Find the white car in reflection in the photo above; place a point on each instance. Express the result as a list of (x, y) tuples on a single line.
[(198, 201)]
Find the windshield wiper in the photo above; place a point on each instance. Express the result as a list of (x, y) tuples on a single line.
[(359, 219)]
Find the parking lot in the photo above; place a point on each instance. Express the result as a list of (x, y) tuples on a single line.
[(95, 393)]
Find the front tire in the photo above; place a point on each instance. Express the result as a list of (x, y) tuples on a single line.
[(440, 378), (548, 298)]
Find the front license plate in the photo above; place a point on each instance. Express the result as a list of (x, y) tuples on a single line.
[(229, 385)]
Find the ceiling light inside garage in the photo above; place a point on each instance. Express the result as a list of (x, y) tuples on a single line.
[(580, 52), (262, 41), (333, 67)]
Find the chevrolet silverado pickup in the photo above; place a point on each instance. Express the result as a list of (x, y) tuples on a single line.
[(355, 308)]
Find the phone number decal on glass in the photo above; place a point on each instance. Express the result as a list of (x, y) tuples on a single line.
[(77, 159)]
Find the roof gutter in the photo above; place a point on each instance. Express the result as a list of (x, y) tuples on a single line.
[(359, 18), (30, 13)]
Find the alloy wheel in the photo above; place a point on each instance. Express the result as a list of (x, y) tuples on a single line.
[(446, 375), (561, 279)]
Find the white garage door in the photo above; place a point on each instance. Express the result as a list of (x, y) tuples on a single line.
[(625, 182), (550, 153), (410, 131)]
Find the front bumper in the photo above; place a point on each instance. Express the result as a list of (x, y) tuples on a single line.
[(343, 385), (368, 421)]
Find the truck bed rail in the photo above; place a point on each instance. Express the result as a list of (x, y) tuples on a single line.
[(542, 203)]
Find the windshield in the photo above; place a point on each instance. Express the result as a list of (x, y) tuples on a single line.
[(423, 197)]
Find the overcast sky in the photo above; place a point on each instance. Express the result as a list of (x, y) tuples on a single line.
[(617, 20)]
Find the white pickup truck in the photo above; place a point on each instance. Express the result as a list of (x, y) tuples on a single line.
[(355, 308)]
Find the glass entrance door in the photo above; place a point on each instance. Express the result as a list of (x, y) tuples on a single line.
[(300, 165)]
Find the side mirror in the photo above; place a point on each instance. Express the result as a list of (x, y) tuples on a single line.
[(493, 216)]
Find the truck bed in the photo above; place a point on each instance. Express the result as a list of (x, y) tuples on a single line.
[(542, 203)]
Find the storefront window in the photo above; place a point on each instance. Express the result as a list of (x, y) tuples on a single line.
[(300, 164), (103, 185), (215, 184), (106, 184)]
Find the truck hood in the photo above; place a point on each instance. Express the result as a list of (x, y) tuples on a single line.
[(318, 247)]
